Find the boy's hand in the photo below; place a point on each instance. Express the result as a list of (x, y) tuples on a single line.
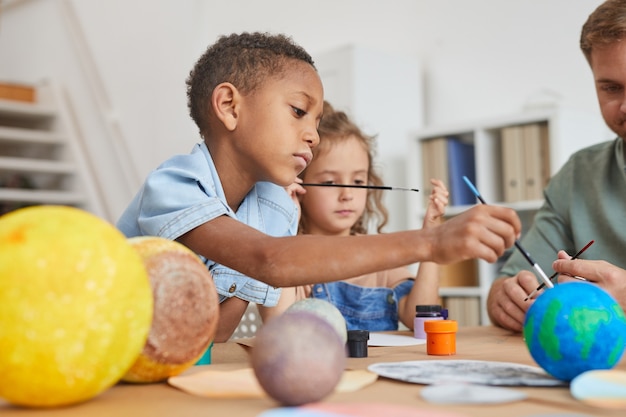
[(483, 232), (437, 203)]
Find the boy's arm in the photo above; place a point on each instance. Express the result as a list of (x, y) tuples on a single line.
[(483, 231)]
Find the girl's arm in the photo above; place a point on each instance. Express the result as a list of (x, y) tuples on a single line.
[(288, 296), (426, 287), (231, 311)]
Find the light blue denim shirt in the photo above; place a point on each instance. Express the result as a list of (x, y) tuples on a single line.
[(365, 308), (185, 192)]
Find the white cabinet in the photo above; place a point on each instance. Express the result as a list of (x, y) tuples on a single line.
[(567, 131), (40, 156)]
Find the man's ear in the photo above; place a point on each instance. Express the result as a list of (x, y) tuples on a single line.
[(225, 102)]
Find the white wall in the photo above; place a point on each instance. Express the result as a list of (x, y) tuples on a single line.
[(480, 58)]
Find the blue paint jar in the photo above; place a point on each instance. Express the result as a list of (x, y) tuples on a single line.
[(205, 359)]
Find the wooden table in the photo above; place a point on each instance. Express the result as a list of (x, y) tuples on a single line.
[(477, 343)]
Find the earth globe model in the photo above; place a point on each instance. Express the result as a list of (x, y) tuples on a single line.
[(573, 328)]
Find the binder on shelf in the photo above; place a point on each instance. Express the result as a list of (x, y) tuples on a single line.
[(525, 161), (434, 164), (17, 92), (459, 274), (465, 310), (449, 159), (426, 147), (512, 142), (460, 163), (536, 160)]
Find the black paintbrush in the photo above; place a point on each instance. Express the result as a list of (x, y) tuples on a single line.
[(371, 187), (518, 245), (580, 252)]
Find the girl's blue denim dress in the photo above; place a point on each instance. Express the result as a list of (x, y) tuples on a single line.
[(365, 308)]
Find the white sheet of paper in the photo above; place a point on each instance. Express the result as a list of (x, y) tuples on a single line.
[(386, 339)]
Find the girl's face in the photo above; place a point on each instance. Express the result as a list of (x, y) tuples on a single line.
[(333, 210)]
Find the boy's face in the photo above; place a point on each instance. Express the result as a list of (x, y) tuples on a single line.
[(608, 65), (278, 125), (331, 210)]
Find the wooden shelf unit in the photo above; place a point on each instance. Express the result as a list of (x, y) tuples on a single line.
[(40, 158), (568, 130)]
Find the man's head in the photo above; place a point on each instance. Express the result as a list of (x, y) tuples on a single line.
[(245, 60), (603, 41), (606, 25)]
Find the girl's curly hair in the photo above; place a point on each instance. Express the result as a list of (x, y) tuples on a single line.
[(335, 127)]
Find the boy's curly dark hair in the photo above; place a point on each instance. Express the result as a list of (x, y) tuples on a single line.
[(244, 60)]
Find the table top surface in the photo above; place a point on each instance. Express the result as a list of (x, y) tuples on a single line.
[(474, 343)]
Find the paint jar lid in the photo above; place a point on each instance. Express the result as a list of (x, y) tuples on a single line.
[(440, 326), (433, 308), (357, 343), (358, 335)]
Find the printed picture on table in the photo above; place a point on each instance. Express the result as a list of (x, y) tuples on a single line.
[(468, 371)]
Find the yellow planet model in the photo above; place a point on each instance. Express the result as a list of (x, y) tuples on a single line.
[(75, 302)]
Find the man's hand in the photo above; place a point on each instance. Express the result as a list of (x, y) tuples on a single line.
[(607, 276), (506, 305)]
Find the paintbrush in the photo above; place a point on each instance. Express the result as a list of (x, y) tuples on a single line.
[(518, 245), (371, 187), (540, 287)]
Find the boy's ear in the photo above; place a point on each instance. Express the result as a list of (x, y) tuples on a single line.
[(225, 102)]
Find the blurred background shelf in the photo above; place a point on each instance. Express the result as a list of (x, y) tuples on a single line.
[(512, 176), (41, 160)]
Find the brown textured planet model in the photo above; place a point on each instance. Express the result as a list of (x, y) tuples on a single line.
[(186, 310)]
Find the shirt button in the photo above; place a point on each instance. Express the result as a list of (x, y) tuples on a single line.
[(232, 288), (390, 299)]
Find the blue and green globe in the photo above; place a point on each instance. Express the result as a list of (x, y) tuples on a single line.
[(573, 328)]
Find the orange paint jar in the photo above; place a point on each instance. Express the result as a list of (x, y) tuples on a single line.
[(441, 337)]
